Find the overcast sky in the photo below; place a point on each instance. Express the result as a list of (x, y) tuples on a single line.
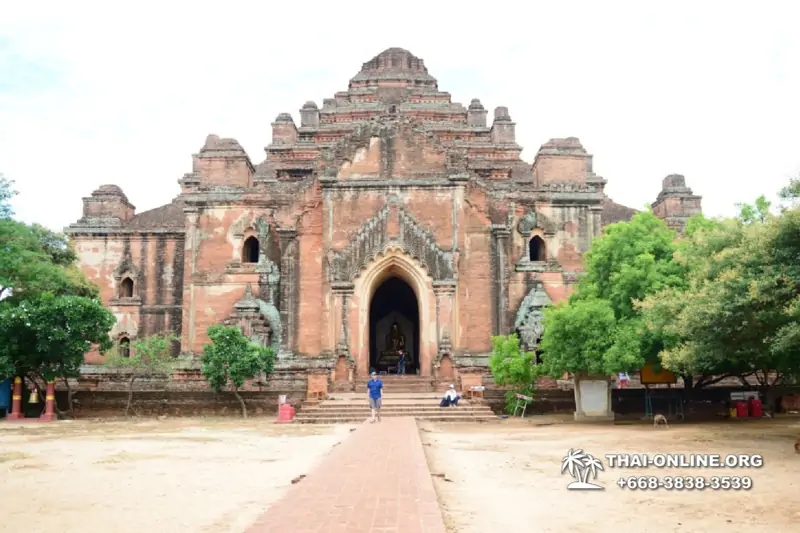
[(93, 94)]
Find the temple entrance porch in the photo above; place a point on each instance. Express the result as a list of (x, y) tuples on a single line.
[(393, 306), (394, 327)]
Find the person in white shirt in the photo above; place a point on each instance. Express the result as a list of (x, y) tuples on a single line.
[(451, 398)]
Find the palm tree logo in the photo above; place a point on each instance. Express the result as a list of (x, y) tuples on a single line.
[(580, 466)]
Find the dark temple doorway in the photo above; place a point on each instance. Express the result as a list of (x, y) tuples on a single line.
[(394, 326)]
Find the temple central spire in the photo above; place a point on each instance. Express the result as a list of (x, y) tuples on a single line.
[(393, 65)]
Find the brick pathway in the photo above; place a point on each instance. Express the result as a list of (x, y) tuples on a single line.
[(376, 481)]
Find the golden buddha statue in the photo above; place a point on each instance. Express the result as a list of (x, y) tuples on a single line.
[(395, 340), (394, 344)]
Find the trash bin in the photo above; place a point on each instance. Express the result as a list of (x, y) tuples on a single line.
[(756, 408)]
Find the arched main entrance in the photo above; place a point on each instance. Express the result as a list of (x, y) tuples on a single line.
[(393, 263), (394, 325)]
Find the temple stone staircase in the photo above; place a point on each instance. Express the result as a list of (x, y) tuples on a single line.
[(393, 383), (341, 408)]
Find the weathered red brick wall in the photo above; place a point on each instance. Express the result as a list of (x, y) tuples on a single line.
[(155, 264), (475, 283), (216, 276), (314, 302)]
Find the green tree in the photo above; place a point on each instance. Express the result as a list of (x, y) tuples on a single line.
[(148, 357), (754, 213), (600, 329), (46, 337), (36, 260), (738, 315), (7, 192), (791, 191), (585, 338), (512, 367), (231, 359), (629, 261)]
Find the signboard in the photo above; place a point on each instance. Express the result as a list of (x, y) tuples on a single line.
[(746, 395), (649, 375)]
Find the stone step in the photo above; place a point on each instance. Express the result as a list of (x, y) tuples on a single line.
[(410, 412), (358, 419), (387, 396), (407, 404), (395, 378)]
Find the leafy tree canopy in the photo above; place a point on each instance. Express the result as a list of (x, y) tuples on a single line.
[(7, 192), (629, 261), (756, 212), (231, 359), (146, 357), (791, 191), (738, 314), (49, 335), (584, 337), (599, 331), (36, 260), (512, 367)]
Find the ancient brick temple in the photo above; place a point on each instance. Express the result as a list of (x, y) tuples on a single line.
[(390, 218)]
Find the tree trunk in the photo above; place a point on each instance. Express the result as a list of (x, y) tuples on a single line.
[(130, 395), (70, 399), (241, 401)]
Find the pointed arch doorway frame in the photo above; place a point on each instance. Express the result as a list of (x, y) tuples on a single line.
[(393, 263)]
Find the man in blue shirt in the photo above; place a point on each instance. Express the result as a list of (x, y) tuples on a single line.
[(375, 386)]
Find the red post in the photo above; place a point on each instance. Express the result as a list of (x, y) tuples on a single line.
[(16, 401), (49, 405)]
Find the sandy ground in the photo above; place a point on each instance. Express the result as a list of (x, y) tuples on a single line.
[(170, 476), (506, 476)]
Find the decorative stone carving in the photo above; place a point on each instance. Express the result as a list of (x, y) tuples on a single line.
[(512, 210), (345, 290), (372, 239), (127, 268), (259, 320), (527, 223), (249, 221), (456, 162), (445, 348), (269, 276), (567, 186), (535, 220), (388, 128), (530, 317), (288, 287), (343, 351), (421, 244)]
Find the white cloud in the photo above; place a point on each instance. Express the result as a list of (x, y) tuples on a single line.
[(706, 89)]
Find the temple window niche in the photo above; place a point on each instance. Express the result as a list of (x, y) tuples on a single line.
[(250, 250), (126, 288), (124, 347), (537, 249)]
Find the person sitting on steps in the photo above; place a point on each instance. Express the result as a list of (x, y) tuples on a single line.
[(451, 398)]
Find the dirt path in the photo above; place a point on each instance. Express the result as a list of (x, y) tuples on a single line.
[(507, 477), (172, 476)]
